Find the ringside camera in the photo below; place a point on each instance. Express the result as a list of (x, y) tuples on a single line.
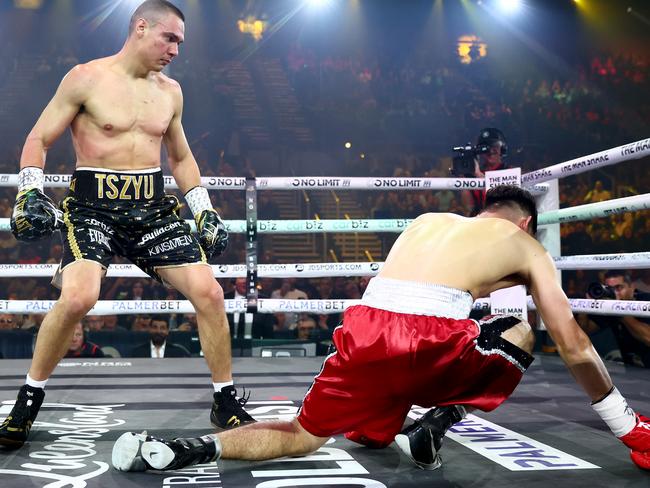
[(598, 291), (465, 157)]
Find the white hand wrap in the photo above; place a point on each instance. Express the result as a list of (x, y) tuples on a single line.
[(30, 177), (615, 413), (198, 200)]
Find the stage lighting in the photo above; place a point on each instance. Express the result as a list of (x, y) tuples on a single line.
[(28, 4), (348, 145), (319, 3), (509, 6)]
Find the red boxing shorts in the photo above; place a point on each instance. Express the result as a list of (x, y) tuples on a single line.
[(387, 361)]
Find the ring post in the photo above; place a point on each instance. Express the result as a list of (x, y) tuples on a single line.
[(549, 235)]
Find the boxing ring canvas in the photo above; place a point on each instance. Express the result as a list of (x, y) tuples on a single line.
[(546, 434)]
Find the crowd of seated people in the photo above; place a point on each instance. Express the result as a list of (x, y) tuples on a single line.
[(590, 103)]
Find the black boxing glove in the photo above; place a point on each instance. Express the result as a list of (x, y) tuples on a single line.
[(211, 229), (35, 216), (212, 233)]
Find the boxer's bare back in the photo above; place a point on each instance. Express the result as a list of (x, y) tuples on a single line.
[(478, 255)]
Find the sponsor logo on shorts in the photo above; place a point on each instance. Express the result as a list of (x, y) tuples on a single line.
[(99, 237), (374, 266), (97, 223), (170, 245), (157, 232)]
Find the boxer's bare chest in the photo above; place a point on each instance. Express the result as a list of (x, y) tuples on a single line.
[(115, 105)]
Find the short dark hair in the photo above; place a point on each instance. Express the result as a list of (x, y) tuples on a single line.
[(151, 11), (508, 195), (160, 318), (615, 273)]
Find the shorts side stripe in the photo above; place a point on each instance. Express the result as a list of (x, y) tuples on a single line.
[(74, 246)]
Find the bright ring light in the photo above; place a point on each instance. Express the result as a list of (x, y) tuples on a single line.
[(509, 6), (319, 3)]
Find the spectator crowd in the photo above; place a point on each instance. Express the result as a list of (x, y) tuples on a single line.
[(392, 109)]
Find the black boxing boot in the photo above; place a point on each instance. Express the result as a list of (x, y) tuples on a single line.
[(228, 410), (178, 453), (15, 428), (422, 440), (142, 452)]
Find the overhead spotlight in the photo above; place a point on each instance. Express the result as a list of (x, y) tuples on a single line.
[(348, 145), (317, 4), (509, 6)]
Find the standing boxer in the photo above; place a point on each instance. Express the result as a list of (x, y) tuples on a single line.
[(121, 109)]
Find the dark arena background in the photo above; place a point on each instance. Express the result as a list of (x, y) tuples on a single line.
[(321, 129)]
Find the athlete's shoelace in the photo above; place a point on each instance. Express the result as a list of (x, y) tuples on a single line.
[(243, 400)]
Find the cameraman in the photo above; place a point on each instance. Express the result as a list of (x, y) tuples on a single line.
[(632, 333), (487, 155)]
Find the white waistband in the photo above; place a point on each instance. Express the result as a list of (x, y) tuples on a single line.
[(125, 171), (417, 298)]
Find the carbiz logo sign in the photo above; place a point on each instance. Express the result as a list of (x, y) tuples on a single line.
[(68, 459)]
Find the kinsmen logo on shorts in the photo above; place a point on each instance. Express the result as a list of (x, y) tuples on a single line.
[(170, 245), (124, 187)]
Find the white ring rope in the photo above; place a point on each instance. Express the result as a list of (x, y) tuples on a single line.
[(320, 307), (303, 183), (633, 150), (364, 183), (596, 210), (636, 308), (632, 260), (635, 260), (615, 155), (581, 212)]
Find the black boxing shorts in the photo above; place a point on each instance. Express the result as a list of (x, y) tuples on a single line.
[(125, 213)]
